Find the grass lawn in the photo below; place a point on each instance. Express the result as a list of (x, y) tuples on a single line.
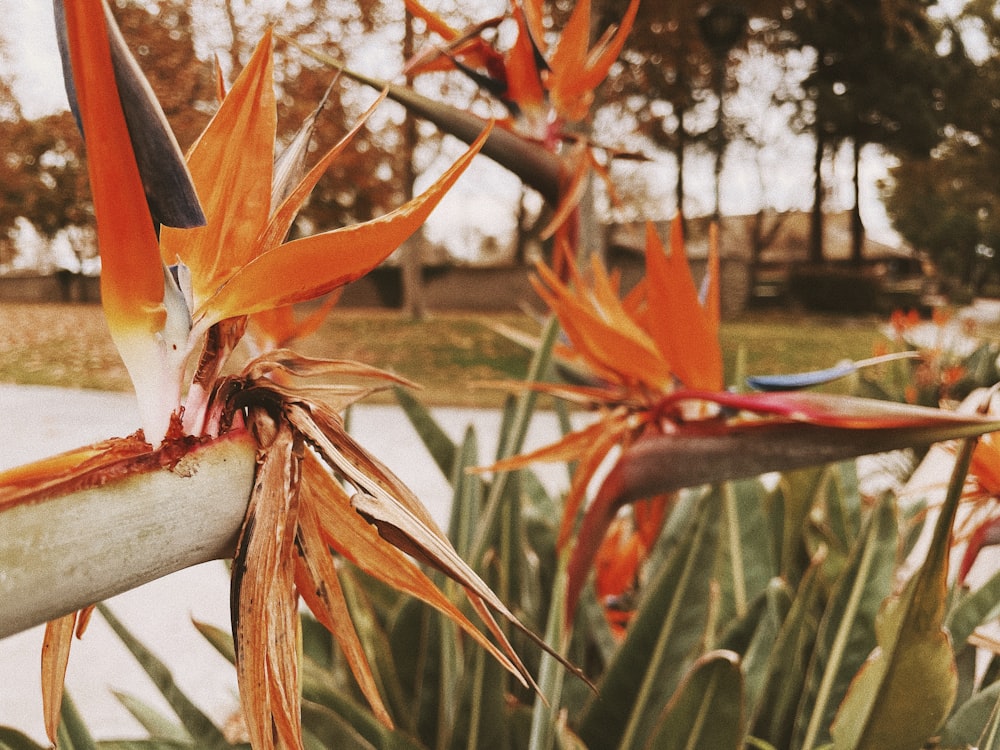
[(69, 345)]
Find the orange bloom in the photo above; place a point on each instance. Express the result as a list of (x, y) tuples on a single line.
[(652, 369), (636, 355), (544, 90), (234, 268)]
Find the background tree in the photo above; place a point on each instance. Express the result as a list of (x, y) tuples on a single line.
[(665, 83), (948, 202), (948, 205), (877, 79)]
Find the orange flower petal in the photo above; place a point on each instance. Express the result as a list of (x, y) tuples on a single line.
[(358, 541), (683, 330), (284, 214), (131, 276), (55, 657), (576, 72), (608, 339), (312, 266), (524, 82), (231, 164), (319, 586)]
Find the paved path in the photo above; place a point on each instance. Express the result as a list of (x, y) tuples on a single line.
[(40, 421)]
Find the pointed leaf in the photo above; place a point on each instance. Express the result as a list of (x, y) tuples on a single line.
[(973, 610), (773, 716), (747, 555), (195, 722), (441, 447), (990, 738), (756, 657), (159, 726), (73, 731), (706, 713), (975, 723), (882, 709), (516, 419), (661, 641), (846, 633), (11, 739)]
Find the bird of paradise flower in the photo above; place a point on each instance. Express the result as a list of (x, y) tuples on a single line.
[(170, 287), (548, 90), (649, 363), (548, 93)]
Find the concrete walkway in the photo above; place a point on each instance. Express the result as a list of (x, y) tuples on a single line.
[(40, 421)]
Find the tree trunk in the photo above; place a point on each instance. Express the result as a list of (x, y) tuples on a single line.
[(413, 293), (679, 152), (857, 227), (816, 224)]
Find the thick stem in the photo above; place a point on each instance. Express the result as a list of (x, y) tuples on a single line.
[(64, 552)]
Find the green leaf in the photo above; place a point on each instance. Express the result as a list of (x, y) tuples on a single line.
[(148, 744), (414, 635), (973, 719), (756, 658), (219, 639), (320, 699), (159, 726), (774, 713), (516, 420), (903, 694), (11, 739), (746, 559), (797, 492), (441, 447), (836, 512), (373, 636), (551, 675), (661, 641), (990, 738), (73, 733), (972, 610), (467, 500), (197, 724), (325, 728), (706, 712), (846, 633)]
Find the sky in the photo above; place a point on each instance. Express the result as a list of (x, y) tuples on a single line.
[(482, 203)]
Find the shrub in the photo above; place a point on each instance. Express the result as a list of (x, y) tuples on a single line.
[(835, 289)]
